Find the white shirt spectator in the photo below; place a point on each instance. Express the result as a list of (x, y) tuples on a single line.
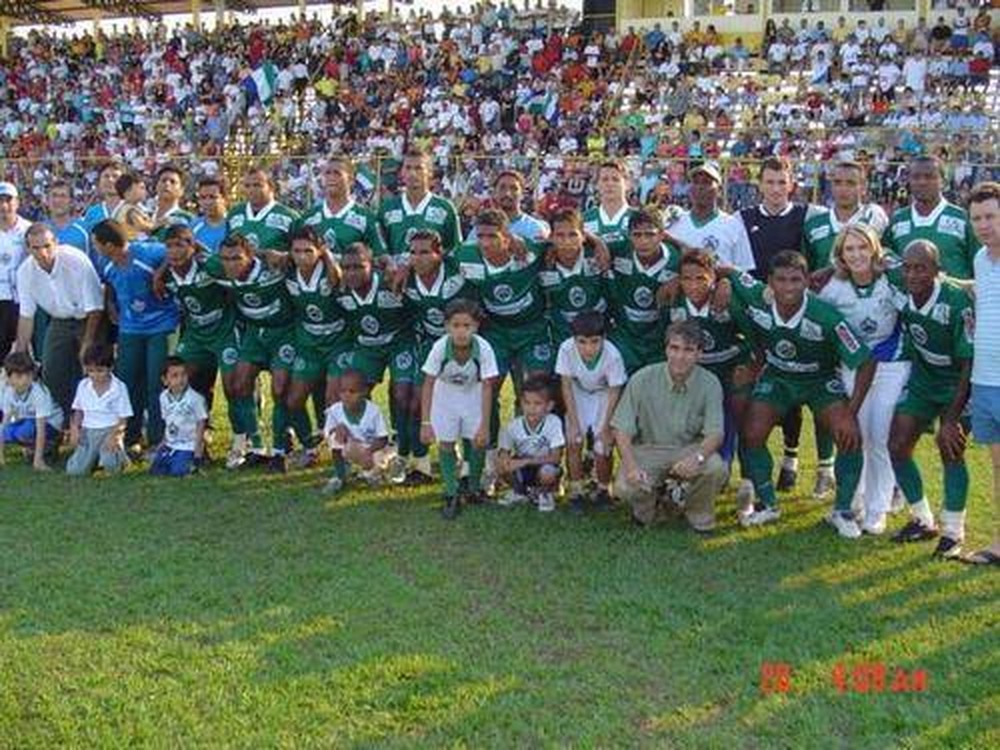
[(181, 417), (71, 290), (35, 403), (12, 252), (915, 73), (721, 235), (104, 410)]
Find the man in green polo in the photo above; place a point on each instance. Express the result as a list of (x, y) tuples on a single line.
[(669, 428)]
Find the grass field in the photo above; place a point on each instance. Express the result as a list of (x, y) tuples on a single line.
[(249, 610)]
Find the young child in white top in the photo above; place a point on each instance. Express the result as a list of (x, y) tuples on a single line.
[(591, 372), (356, 433), (530, 449), (30, 417), (101, 408), (459, 376), (185, 417)]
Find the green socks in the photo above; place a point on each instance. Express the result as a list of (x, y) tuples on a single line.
[(449, 469), (760, 467), (956, 485), (909, 480), (847, 469)]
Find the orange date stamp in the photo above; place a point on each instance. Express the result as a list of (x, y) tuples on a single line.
[(861, 678)]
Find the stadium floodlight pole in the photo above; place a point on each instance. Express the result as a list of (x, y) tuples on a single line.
[(196, 14)]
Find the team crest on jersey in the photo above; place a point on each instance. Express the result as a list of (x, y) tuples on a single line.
[(941, 313), (369, 325), (286, 353), (847, 337), (577, 296), (436, 215), (404, 360), (503, 293), (918, 333), (324, 287), (868, 326), (711, 244), (230, 355), (785, 349), (707, 340), (314, 313), (835, 387), (953, 225), (192, 304), (810, 331), (542, 352), (251, 300), (435, 316), (236, 222), (138, 305), (643, 297)]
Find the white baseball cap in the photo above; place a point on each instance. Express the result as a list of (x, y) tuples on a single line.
[(8, 190)]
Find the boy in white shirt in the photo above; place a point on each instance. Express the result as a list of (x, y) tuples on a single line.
[(530, 449), (101, 408), (185, 416), (30, 417), (460, 374), (592, 373), (356, 433)]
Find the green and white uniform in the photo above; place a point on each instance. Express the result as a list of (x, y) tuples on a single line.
[(264, 304), (267, 229), (514, 300), (382, 333), (209, 336), (457, 404), (352, 223), (821, 227), (431, 301), (632, 288), (571, 291), (399, 220), (947, 226), (803, 353), (724, 346), (612, 229), (323, 341), (936, 337)]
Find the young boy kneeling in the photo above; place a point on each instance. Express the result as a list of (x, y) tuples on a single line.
[(459, 376), (530, 449), (101, 409), (185, 417), (356, 433), (30, 417), (592, 373)]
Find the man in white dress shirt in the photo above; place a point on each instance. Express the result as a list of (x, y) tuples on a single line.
[(60, 280)]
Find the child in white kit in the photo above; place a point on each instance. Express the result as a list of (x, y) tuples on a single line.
[(356, 433), (459, 376), (30, 417), (592, 373), (185, 416), (101, 408)]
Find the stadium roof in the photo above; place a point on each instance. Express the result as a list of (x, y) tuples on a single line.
[(69, 11)]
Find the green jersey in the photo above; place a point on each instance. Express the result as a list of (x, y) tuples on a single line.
[(202, 298), (430, 301), (262, 298), (724, 345), (571, 291), (947, 226), (821, 227), (512, 293), (632, 288), (612, 229), (938, 334), (320, 320), (812, 344), (174, 217), (379, 319), (399, 220), (267, 229), (352, 223)]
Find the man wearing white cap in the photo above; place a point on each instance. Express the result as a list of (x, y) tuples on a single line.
[(708, 228), (12, 230)]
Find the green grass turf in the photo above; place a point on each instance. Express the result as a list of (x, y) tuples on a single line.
[(241, 609)]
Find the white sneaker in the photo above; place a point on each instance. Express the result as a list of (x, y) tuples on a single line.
[(396, 470), (546, 502), (511, 498), (762, 516), (844, 523), (237, 453), (333, 486), (874, 524)]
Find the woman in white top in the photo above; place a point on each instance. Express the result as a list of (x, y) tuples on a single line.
[(868, 292)]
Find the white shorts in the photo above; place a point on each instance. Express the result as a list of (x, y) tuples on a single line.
[(456, 411), (590, 409)]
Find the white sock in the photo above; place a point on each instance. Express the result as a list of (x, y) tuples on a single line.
[(423, 465), (953, 523), (922, 512), (792, 464)]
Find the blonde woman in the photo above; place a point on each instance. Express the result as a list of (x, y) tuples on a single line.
[(867, 289)]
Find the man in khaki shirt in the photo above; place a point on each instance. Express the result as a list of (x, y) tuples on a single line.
[(668, 427)]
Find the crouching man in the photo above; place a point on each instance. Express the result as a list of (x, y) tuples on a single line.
[(669, 427)]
